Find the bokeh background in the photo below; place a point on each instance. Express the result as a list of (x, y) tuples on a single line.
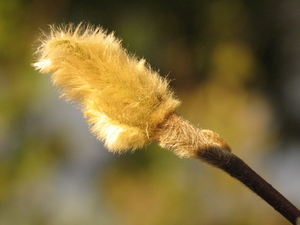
[(234, 63)]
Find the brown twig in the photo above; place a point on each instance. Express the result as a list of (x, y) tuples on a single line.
[(186, 140)]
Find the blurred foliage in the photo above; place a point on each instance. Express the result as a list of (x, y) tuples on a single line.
[(234, 64)]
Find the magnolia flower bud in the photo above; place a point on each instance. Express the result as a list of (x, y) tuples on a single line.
[(129, 105), (122, 97)]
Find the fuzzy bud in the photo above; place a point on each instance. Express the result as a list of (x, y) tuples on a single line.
[(123, 99)]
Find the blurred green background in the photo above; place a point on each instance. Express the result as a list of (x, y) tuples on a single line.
[(234, 63)]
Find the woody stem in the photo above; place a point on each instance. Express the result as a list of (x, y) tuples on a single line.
[(238, 169), (185, 140)]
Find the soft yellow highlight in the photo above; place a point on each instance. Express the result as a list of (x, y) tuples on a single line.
[(122, 97)]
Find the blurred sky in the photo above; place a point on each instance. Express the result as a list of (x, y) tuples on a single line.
[(234, 63)]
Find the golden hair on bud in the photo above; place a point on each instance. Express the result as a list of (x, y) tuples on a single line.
[(122, 97), (187, 141)]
